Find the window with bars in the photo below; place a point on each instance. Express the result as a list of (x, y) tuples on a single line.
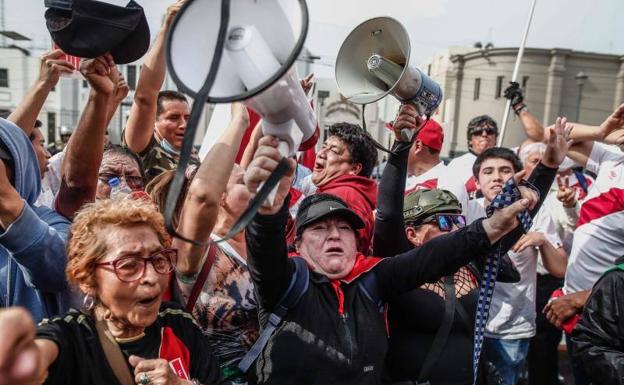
[(477, 89), (499, 87), (4, 77)]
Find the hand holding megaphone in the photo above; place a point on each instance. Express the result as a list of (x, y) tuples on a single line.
[(374, 61), (265, 161), (407, 123)]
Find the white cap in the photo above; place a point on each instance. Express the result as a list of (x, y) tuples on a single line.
[(65, 130)]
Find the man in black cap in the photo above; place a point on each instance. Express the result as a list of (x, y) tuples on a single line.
[(336, 333)]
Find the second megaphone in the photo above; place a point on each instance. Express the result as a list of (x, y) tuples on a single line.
[(373, 62)]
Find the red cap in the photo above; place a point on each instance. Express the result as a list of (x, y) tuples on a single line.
[(431, 135)]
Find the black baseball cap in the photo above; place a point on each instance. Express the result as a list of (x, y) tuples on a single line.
[(320, 206), (89, 29)]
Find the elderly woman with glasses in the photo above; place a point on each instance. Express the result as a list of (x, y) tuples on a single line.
[(119, 257)]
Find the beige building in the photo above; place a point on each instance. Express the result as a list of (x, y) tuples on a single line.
[(474, 79)]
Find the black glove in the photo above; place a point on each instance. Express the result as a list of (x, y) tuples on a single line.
[(514, 94)]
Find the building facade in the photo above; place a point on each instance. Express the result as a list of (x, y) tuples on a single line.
[(474, 79)]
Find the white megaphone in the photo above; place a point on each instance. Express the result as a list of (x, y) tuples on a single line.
[(256, 51), (373, 62)]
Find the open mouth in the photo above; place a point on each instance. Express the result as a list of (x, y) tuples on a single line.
[(334, 250), (149, 301)]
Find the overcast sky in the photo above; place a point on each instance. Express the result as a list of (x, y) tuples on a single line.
[(433, 24)]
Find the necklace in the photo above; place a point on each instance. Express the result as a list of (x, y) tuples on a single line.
[(129, 339)]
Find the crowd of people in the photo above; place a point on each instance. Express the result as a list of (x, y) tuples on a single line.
[(341, 280)]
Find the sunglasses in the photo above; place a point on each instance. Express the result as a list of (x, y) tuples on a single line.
[(445, 221), (480, 131), (132, 268), (134, 182)]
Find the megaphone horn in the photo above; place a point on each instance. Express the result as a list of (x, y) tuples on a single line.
[(373, 62)]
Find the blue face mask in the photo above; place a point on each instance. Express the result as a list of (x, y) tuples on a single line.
[(164, 143)]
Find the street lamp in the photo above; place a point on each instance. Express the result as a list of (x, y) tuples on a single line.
[(580, 82)]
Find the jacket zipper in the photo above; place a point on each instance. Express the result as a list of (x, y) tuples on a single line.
[(344, 318)]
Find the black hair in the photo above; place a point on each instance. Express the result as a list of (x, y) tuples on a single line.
[(498, 153), (360, 145), (113, 149), (480, 122), (163, 96), (38, 124)]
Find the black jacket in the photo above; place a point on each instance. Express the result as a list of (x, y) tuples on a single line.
[(336, 334), (598, 338)]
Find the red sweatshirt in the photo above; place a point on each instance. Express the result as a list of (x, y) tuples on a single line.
[(360, 193)]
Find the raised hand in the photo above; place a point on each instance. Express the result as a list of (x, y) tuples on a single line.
[(612, 129), (406, 122), (565, 194), (530, 239), (52, 66), (19, 357), (240, 114), (265, 160), (99, 73), (121, 89), (172, 11), (504, 220), (307, 83), (559, 143)]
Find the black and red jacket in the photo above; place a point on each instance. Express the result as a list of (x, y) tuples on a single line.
[(336, 334)]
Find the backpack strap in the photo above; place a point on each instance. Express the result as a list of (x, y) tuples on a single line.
[(368, 284), (441, 336), (296, 289)]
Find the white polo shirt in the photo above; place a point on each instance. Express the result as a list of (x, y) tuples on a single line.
[(599, 235)]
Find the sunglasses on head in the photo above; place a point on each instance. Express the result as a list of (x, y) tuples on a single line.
[(134, 182), (481, 130), (445, 221)]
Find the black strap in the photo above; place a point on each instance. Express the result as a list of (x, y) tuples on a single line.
[(368, 285), (443, 332), (258, 200), (296, 289), (189, 136)]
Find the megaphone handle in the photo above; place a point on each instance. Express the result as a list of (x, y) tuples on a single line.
[(284, 150), (407, 135)]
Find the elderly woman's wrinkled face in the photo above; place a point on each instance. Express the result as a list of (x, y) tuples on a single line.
[(329, 246), (120, 166), (136, 303)]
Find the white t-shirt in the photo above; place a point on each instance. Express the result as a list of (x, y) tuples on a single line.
[(427, 180), (599, 236), (512, 310)]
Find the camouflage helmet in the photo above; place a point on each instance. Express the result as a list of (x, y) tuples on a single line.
[(421, 204)]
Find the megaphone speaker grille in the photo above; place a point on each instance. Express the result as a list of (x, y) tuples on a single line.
[(279, 25)]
